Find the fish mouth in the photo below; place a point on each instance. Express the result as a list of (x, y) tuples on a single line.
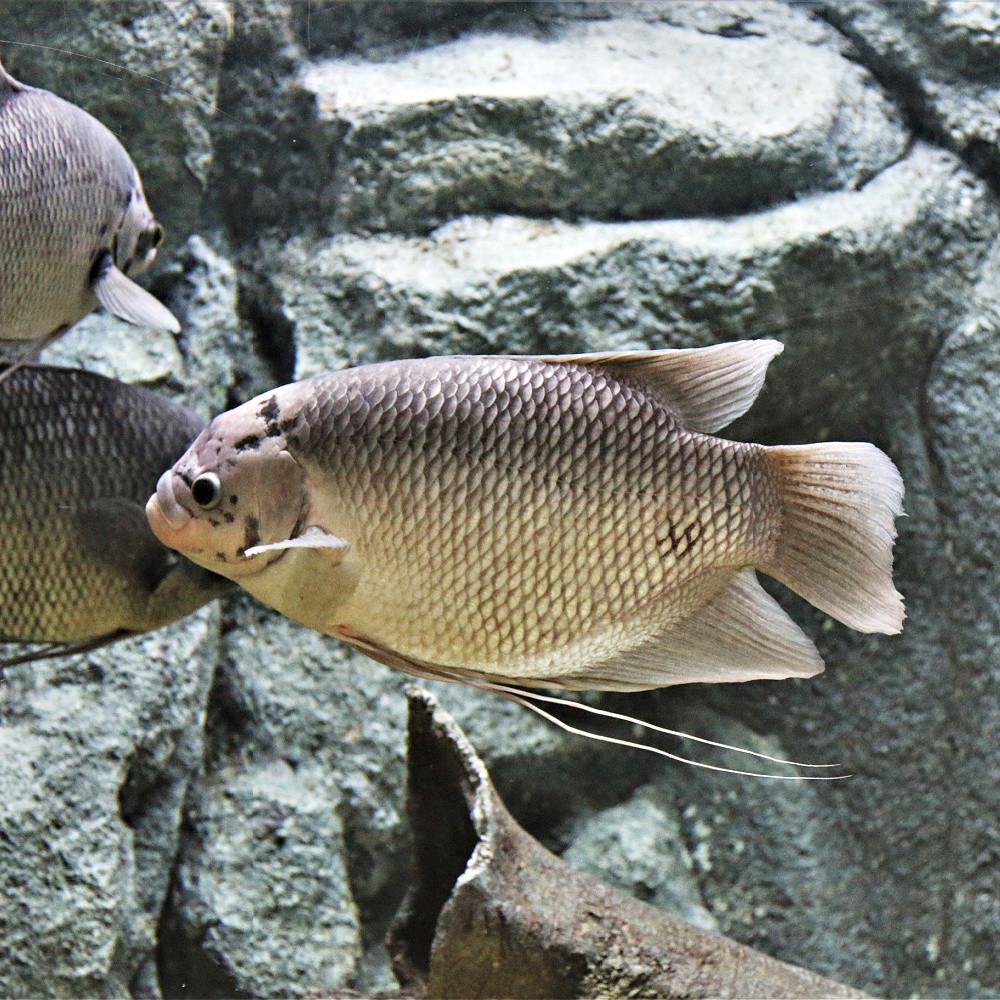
[(165, 515)]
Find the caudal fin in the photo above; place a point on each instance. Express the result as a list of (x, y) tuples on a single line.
[(839, 502)]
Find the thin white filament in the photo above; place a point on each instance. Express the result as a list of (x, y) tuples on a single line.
[(522, 698), (649, 725), (657, 750)]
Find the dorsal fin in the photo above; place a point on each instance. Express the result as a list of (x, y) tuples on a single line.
[(706, 387), (8, 84)]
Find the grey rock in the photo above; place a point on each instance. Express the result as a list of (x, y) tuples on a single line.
[(306, 699), (941, 63), (149, 70), (962, 440), (524, 286), (380, 28), (637, 846), (221, 365), (771, 863), (502, 123), (261, 889), (104, 344), (97, 757), (272, 162)]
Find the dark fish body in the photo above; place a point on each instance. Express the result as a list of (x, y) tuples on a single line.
[(78, 563), (74, 222), (553, 521)]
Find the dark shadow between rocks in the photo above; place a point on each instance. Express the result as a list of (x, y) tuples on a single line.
[(183, 965), (492, 913)]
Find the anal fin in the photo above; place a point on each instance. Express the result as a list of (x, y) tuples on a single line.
[(742, 634)]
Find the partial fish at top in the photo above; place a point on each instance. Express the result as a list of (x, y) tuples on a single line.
[(74, 223), (544, 521)]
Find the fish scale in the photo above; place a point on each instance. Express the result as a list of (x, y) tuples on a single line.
[(73, 221), (71, 441), (554, 521), (560, 588)]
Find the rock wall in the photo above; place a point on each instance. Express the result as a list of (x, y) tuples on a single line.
[(217, 809)]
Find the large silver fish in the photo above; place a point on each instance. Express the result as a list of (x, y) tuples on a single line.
[(74, 223), (547, 521), (79, 566)]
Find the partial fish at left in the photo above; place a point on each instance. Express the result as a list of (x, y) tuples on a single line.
[(79, 565), (74, 223)]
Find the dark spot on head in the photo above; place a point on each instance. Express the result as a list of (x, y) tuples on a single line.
[(270, 411), (252, 535), (234, 498), (227, 517), (186, 478), (250, 441), (221, 556)]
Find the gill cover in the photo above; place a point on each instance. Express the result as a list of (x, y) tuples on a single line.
[(134, 250)]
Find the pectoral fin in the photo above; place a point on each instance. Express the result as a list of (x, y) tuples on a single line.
[(8, 85), (115, 534), (120, 295), (313, 537)]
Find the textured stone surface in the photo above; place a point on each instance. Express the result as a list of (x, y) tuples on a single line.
[(638, 847), (273, 163), (104, 344), (867, 246), (261, 888), (482, 286), (940, 59), (97, 755), (505, 123)]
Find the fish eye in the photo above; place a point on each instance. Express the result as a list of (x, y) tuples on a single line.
[(206, 490)]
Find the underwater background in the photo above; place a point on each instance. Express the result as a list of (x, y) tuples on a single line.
[(217, 808)]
